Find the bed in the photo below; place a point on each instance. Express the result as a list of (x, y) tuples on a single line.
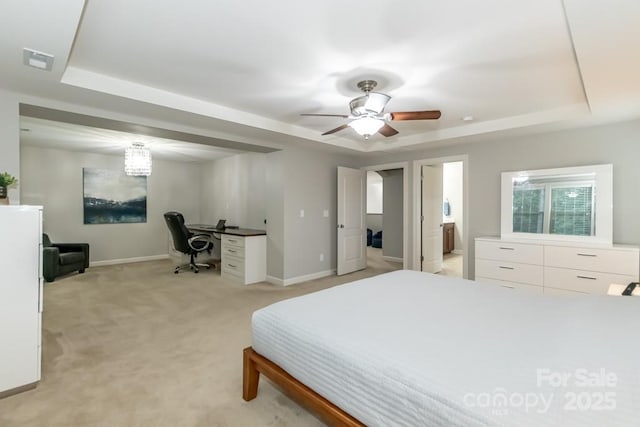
[(411, 348)]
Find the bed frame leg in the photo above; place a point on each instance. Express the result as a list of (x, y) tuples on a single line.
[(251, 375)]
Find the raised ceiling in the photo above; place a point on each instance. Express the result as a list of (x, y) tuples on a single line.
[(250, 68)]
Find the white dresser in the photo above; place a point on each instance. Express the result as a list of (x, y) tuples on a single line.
[(555, 267), (20, 297), (244, 256)]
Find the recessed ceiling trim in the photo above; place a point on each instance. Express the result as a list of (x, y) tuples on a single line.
[(99, 82), (104, 123), (569, 112)]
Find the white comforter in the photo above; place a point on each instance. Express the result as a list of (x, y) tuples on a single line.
[(411, 348)]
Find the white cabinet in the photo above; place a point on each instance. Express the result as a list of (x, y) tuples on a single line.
[(555, 268), (244, 258), (20, 297)]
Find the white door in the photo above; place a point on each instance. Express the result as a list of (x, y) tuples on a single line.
[(432, 218), (352, 253)]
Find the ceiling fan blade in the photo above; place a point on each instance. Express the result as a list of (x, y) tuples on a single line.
[(387, 130), (415, 115), (325, 115), (338, 129)]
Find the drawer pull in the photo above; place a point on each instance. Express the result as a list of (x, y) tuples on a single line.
[(506, 268), (232, 266), (594, 255), (231, 250), (586, 277), (232, 241), (505, 248)]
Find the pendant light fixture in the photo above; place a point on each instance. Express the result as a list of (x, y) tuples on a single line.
[(137, 160)]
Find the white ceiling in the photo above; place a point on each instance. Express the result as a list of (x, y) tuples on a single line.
[(248, 69)]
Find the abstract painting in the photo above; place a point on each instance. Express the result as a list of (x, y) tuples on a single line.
[(111, 197)]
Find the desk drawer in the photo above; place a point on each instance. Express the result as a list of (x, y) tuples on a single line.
[(229, 240), (593, 259), (232, 251), (233, 265), (510, 271), (591, 282), (512, 252)]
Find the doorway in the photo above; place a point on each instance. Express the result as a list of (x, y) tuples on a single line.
[(440, 216), (387, 216)]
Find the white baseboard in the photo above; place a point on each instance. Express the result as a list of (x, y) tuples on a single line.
[(128, 260), (458, 251), (392, 258), (300, 279)]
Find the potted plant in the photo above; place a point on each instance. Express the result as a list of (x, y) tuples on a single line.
[(6, 180)]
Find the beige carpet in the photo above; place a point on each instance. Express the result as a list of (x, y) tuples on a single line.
[(452, 265), (136, 345)]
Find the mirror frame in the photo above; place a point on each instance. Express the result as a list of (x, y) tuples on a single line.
[(603, 204)]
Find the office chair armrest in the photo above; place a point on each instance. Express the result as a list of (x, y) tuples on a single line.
[(199, 238)]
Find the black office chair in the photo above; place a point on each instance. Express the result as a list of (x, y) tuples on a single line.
[(186, 242)]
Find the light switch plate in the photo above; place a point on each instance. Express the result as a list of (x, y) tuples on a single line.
[(301, 213), (325, 213)]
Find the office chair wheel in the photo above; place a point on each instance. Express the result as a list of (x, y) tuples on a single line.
[(176, 271)]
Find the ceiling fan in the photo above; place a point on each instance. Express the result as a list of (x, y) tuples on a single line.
[(367, 113)]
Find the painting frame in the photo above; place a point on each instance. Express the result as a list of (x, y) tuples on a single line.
[(111, 197)]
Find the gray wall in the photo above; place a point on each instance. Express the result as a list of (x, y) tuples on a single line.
[(233, 188), (53, 179), (392, 220), (614, 143), (274, 206), (310, 183), (9, 136)]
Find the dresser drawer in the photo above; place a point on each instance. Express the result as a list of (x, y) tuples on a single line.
[(562, 292), (593, 259), (510, 271), (228, 240), (512, 285), (512, 252), (591, 282)]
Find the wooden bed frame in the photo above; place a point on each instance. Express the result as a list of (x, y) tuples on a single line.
[(254, 364)]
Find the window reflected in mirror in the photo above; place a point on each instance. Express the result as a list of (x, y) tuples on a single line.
[(561, 205)]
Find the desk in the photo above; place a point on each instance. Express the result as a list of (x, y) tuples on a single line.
[(243, 252)]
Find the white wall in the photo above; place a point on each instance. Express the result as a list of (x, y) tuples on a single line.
[(53, 178), (392, 218), (452, 191), (374, 193)]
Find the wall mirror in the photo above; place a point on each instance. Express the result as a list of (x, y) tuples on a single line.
[(570, 204)]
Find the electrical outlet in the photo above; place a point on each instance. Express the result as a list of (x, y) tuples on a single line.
[(321, 257)]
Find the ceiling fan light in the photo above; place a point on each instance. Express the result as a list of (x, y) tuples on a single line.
[(376, 102), (137, 160), (371, 103), (366, 126)]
